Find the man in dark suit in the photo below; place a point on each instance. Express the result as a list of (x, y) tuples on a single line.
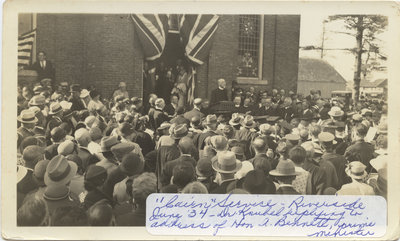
[(43, 67), (75, 99), (159, 115), (171, 107), (286, 111), (195, 111), (185, 146), (219, 94)]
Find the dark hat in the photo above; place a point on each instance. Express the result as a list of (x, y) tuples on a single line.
[(56, 192), (59, 171), (107, 142), (75, 88), (32, 154), (121, 149), (132, 164), (256, 182), (75, 158), (125, 129), (204, 168), (238, 150), (196, 121), (57, 134), (40, 170), (95, 133), (284, 168), (94, 93), (179, 131), (95, 171), (226, 162), (28, 141), (50, 152), (136, 100), (284, 124)]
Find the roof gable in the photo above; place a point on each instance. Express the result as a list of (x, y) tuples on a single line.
[(317, 70)]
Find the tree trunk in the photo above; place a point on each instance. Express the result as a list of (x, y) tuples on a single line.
[(358, 63)]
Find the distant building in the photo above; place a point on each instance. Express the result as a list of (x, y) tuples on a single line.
[(318, 74), (377, 88)]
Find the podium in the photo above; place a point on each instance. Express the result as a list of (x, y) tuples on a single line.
[(27, 77)]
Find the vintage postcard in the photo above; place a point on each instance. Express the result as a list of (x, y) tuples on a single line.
[(180, 120)]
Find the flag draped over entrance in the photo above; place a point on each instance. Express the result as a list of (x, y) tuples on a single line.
[(197, 33), (152, 30), (25, 45)]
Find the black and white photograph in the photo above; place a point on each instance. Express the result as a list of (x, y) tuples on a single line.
[(114, 107)]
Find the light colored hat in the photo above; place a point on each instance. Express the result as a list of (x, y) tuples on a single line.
[(164, 125), (179, 131), (264, 128), (65, 105), (55, 108), (84, 93), (66, 147), (159, 102), (122, 84), (246, 167), (365, 111), (82, 135), (59, 171), (219, 142), (356, 170), (248, 121), (27, 116), (336, 111), (197, 101), (236, 119), (210, 119), (35, 109), (226, 162), (284, 168), (21, 172), (89, 121), (107, 142), (37, 100)]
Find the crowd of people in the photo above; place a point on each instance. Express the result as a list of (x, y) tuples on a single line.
[(85, 160)]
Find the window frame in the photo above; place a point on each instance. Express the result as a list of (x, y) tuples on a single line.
[(259, 79)]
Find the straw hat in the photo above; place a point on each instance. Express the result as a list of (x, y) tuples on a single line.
[(226, 162), (336, 111), (236, 119), (356, 170), (248, 122), (284, 168), (55, 108), (27, 116)]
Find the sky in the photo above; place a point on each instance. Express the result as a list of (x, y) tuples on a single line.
[(311, 31)]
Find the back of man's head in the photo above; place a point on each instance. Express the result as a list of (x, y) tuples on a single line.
[(33, 212), (185, 145), (315, 130), (260, 146), (361, 130), (100, 214), (69, 216), (182, 175), (309, 148), (297, 154)]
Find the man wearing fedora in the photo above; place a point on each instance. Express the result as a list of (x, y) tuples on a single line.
[(75, 98), (170, 152), (109, 162), (159, 115), (285, 174), (55, 115), (211, 127), (246, 134), (226, 165), (356, 171), (28, 122), (196, 111), (360, 146), (327, 141)]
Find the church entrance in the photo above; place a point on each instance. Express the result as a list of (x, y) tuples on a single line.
[(167, 67)]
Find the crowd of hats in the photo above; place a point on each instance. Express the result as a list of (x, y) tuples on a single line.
[(84, 167)]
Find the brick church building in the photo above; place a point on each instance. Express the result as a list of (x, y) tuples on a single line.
[(102, 50)]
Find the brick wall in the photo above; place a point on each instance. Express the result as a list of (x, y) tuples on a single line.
[(100, 50), (280, 54), (96, 49)]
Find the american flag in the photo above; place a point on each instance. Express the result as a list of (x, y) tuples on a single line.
[(25, 46)]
